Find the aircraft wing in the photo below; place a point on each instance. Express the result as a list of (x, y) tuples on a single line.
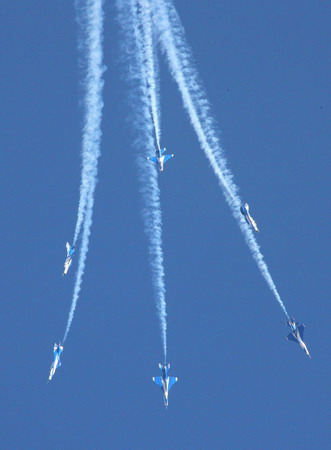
[(158, 381), (172, 381), (290, 337), (152, 158), (301, 329), (167, 157)]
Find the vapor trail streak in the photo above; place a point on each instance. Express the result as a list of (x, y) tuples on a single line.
[(141, 104), (149, 50), (82, 259), (171, 36), (90, 18)]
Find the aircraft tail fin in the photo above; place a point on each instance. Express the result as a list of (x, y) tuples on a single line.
[(163, 151)]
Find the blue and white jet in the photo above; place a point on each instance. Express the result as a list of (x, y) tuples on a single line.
[(249, 219), (296, 334), (58, 349), (160, 158), (165, 382), (68, 260)]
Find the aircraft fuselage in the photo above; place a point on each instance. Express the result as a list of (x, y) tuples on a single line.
[(165, 382), (166, 391), (58, 349), (296, 336), (249, 219), (301, 343)]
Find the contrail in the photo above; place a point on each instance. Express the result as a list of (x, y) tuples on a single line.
[(171, 36), (82, 259), (149, 50), (90, 18), (139, 75)]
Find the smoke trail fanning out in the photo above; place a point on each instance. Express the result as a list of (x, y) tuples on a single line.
[(144, 110), (171, 36), (90, 19)]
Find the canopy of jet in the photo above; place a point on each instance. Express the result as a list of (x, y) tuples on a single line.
[(146, 26)]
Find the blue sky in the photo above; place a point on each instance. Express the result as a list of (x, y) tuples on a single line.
[(266, 69)]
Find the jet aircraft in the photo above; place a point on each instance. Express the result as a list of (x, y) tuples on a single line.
[(296, 334), (165, 382), (160, 158), (58, 349), (68, 260), (249, 219)]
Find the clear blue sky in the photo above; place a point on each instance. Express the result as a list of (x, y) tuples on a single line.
[(266, 69)]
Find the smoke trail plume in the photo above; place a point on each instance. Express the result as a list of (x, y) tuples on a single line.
[(90, 18), (149, 50), (142, 106), (171, 36), (82, 259)]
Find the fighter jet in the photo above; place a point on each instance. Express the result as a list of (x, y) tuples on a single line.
[(165, 382), (68, 260), (296, 334), (58, 349), (249, 219), (160, 159)]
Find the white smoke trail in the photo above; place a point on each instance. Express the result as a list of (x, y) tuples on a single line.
[(82, 259), (171, 36), (133, 49), (149, 50), (91, 20)]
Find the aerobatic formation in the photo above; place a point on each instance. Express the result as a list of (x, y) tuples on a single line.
[(148, 27)]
